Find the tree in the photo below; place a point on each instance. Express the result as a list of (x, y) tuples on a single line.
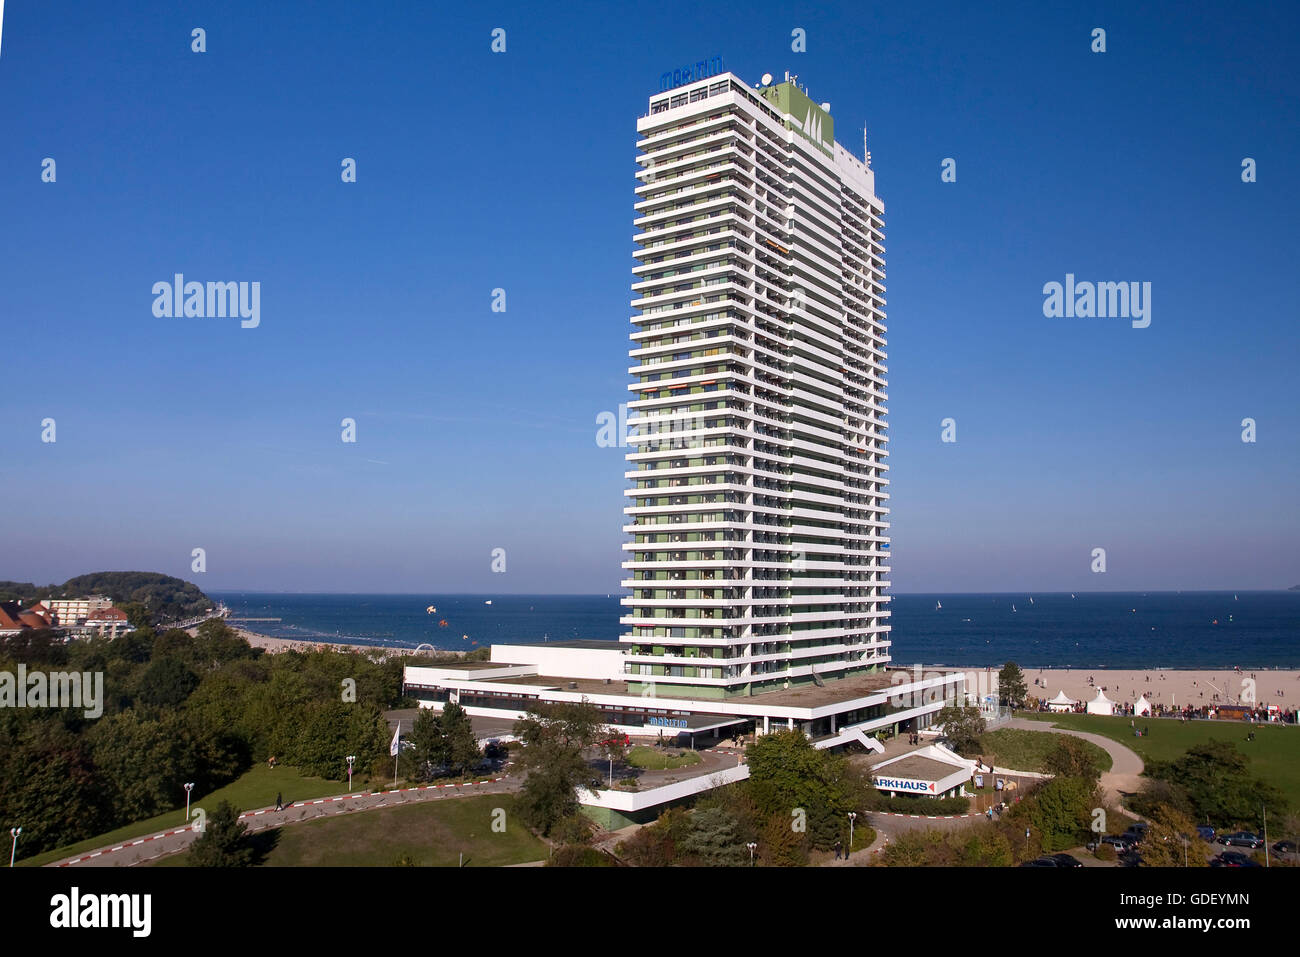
[(461, 745), (1216, 779), (962, 726), (1072, 758), (1060, 811), (984, 848), (788, 775), (713, 840), (143, 761), (216, 643), (325, 732), (910, 849), (656, 844), (780, 845), (166, 683), (1011, 685), (49, 785), (224, 841), (1172, 841), (137, 615), (428, 750), (555, 737)]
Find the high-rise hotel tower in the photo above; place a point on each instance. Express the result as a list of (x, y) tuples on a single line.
[(758, 552)]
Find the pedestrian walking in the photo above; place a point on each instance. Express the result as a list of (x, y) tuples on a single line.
[(279, 803)]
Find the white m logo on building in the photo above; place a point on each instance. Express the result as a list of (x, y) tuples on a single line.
[(811, 124)]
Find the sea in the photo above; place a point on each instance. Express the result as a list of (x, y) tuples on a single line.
[(1250, 629)]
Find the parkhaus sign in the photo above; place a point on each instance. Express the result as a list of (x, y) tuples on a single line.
[(904, 784), (701, 70)]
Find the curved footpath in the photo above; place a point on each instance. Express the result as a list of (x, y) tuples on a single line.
[(143, 849), (1124, 776)]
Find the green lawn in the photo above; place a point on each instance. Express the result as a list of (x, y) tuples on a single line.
[(1028, 750), (255, 788), (652, 759), (1274, 754), (433, 833)]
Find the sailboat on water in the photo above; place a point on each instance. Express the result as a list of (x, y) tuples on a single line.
[(938, 606)]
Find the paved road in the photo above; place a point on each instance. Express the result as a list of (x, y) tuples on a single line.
[(140, 850), (1125, 774)]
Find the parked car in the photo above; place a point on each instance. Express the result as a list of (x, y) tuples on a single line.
[(1205, 832), (1041, 862), (1241, 839), (1234, 859), (1137, 831), (1119, 843), (1067, 860), (1285, 847)]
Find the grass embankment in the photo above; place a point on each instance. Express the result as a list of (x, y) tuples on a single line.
[(431, 833), (1028, 750), (651, 759), (1274, 755), (254, 789)]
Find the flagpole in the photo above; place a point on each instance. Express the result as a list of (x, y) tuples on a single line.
[(398, 741)]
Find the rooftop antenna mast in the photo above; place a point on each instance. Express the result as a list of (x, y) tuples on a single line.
[(866, 153)]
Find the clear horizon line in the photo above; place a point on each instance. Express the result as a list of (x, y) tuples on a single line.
[(564, 594)]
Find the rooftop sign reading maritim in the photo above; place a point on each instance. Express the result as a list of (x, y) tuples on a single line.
[(703, 69)]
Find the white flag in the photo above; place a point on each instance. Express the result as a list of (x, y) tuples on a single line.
[(392, 748)]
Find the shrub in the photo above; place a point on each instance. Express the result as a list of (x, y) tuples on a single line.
[(574, 829), (912, 804), (578, 855), (1104, 852), (649, 847)]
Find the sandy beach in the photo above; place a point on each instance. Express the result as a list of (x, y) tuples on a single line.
[(274, 645), (1168, 686)]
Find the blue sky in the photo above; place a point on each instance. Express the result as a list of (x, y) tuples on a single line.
[(476, 429)]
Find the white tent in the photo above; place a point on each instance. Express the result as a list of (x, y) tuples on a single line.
[(1061, 702), (1142, 706), (1101, 704)]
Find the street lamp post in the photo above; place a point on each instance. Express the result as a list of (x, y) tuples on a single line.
[(752, 847), (14, 832), (1264, 808), (351, 758), (188, 788), (853, 816)]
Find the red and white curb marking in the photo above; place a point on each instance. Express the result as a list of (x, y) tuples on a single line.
[(329, 800), (929, 817)]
